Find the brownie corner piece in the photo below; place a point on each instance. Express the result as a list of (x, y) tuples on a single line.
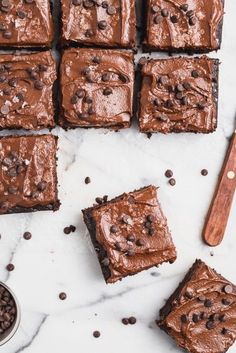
[(28, 177), (26, 24), (179, 95), (201, 315), (96, 88), (27, 87), (129, 233), (189, 25), (99, 23)]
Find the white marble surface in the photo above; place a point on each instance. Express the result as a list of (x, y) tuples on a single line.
[(52, 262)]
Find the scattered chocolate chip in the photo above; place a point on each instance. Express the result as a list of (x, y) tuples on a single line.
[(165, 12), (74, 99), (204, 172), (172, 182), (169, 173), (42, 185), (21, 14), (151, 231), (228, 289), (157, 102), (125, 321), (155, 9), (195, 318), (140, 242), (111, 10), (62, 296), (222, 318), (163, 80), (192, 21), (96, 334), (225, 302), (5, 109), (130, 252), (184, 319), (208, 303), (131, 238), (195, 74), (210, 325), (118, 246), (96, 60), (38, 85), (189, 294), (174, 19), (87, 180), (106, 262), (102, 25), (76, 2), (158, 19), (113, 229), (224, 331), (10, 267), (190, 13), (132, 320), (80, 93), (150, 218), (184, 7), (203, 316), (67, 230), (27, 235), (107, 91), (99, 200)]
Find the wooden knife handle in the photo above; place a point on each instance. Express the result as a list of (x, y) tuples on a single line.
[(218, 214)]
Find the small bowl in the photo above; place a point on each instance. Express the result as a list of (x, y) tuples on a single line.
[(9, 333)]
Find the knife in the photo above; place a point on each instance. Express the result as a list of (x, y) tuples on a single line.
[(218, 214)]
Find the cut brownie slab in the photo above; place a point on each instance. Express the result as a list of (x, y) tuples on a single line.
[(28, 179), (184, 25), (26, 86), (100, 23), (130, 234), (97, 88), (25, 23), (179, 95), (201, 314)]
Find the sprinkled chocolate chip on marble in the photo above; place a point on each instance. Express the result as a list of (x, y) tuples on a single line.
[(67, 230), (102, 24), (132, 320), (131, 238), (125, 321), (228, 289), (27, 235), (62, 296), (172, 182), (99, 200), (10, 267), (87, 180), (208, 303), (169, 173), (96, 334), (204, 172)]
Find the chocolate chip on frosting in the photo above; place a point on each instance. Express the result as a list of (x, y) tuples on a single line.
[(228, 289), (208, 303), (102, 24)]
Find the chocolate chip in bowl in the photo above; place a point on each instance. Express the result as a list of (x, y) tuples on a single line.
[(9, 314)]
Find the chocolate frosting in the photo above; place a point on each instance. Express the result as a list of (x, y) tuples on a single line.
[(26, 90), (133, 215), (172, 26), (97, 88), (25, 23), (179, 94), (97, 23), (202, 318), (27, 173)]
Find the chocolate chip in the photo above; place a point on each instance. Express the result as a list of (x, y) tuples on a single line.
[(140, 242), (131, 238), (132, 320), (155, 9), (184, 7), (89, 33), (184, 319), (96, 334), (87, 180), (184, 100), (190, 13), (111, 10), (201, 106), (12, 82), (201, 298), (179, 88), (204, 172), (113, 229), (195, 318), (195, 74), (203, 316), (172, 182), (158, 19), (163, 80), (91, 111), (169, 173), (187, 85), (99, 200), (12, 172), (130, 252), (21, 14), (27, 235), (224, 331), (80, 93), (118, 246), (189, 294), (174, 19), (5, 109), (62, 296), (74, 99), (169, 103), (76, 2), (192, 21), (157, 102), (165, 12), (228, 289), (150, 218), (38, 85), (42, 186), (222, 318), (208, 303), (107, 91), (125, 321), (225, 302), (106, 77), (102, 25), (210, 325), (151, 231), (10, 267), (96, 60), (88, 100), (88, 4), (43, 68)]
